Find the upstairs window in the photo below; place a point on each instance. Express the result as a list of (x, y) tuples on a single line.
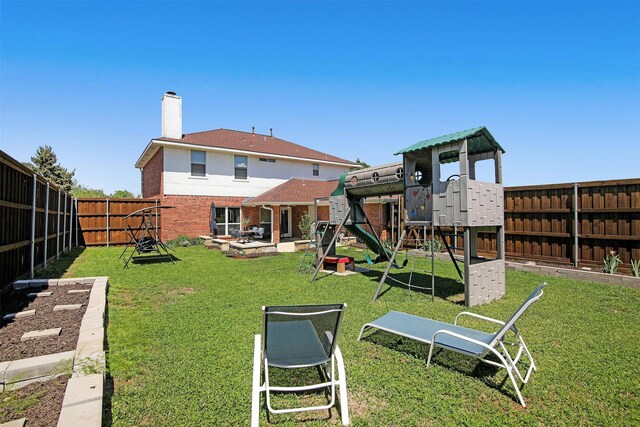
[(316, 169), (262, 159), (198, 163), (241, 163)]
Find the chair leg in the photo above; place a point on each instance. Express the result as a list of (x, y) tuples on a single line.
[(366, 325), (342, 383), (507, 363), (430, 354), (255, 392), (515, 385)]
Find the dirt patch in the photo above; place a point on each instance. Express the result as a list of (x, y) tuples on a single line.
[(12, 348), (181, 291), (363, 405), (40, 403)]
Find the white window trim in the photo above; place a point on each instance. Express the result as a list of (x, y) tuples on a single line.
[(236, 167), (191, 163)]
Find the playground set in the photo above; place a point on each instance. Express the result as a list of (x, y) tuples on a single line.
[(430, 201)]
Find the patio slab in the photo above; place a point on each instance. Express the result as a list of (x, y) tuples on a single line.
[(19, 315), (40, 334), (39, 294), (35, 367), (63, 307), (15, 423)]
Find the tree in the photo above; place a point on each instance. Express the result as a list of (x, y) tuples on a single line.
[(122, 194), (45, 163), (81, 191), (363, 164)]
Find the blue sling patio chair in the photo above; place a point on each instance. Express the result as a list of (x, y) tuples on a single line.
[(299, 337), (470, 342)]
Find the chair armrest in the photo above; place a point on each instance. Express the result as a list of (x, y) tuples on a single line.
[(462, 337), (489, 319)]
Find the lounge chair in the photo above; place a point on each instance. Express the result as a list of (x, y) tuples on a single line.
[(259, 233), (299, 337), (470, 342)]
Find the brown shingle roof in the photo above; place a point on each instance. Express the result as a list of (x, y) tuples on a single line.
[(237, 140), (294, 191)]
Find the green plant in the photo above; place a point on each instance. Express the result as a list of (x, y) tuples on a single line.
[(184, 240), (438, 246), (635, 268), (611, 263), (305, 226), (246, 221)]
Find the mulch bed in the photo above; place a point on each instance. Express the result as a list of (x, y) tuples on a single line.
[(40, 403), (11, 348)]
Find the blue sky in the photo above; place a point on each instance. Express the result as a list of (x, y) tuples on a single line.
[(557, 83)]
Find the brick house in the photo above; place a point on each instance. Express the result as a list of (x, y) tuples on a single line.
[(245, 174)]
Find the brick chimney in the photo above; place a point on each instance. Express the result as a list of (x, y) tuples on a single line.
[(171, 116)]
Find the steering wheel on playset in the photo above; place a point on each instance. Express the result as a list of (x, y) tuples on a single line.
[(452, 176)]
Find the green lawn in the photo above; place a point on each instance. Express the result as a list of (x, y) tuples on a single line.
[(180, 346)]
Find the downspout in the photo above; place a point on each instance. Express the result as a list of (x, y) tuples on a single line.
[(270, 209)]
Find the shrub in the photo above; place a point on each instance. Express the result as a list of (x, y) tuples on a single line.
[(305, 226), (184, 240), (438, 246)]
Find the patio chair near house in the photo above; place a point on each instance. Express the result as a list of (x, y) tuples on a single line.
[(297, 337), (470, 342), (259, 233)]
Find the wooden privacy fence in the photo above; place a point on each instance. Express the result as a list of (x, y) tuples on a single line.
[(102, 221), (37, 221), (571, 223)]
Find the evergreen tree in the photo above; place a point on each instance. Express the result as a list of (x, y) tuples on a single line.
[(45, 163), (363, 164)]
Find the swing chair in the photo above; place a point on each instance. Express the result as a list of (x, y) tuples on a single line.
[(409, 284)]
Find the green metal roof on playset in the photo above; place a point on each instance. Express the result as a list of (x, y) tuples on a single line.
[(479, 141)]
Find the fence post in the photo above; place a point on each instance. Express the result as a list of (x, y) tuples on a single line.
[(46, 225), (70, 222), (58, 227), (576, 261), (77, 224), (64, 223), (158, 237), (108, 222), (33, 227)]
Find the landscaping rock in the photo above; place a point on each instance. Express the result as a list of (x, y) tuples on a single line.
[(78, 291)]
